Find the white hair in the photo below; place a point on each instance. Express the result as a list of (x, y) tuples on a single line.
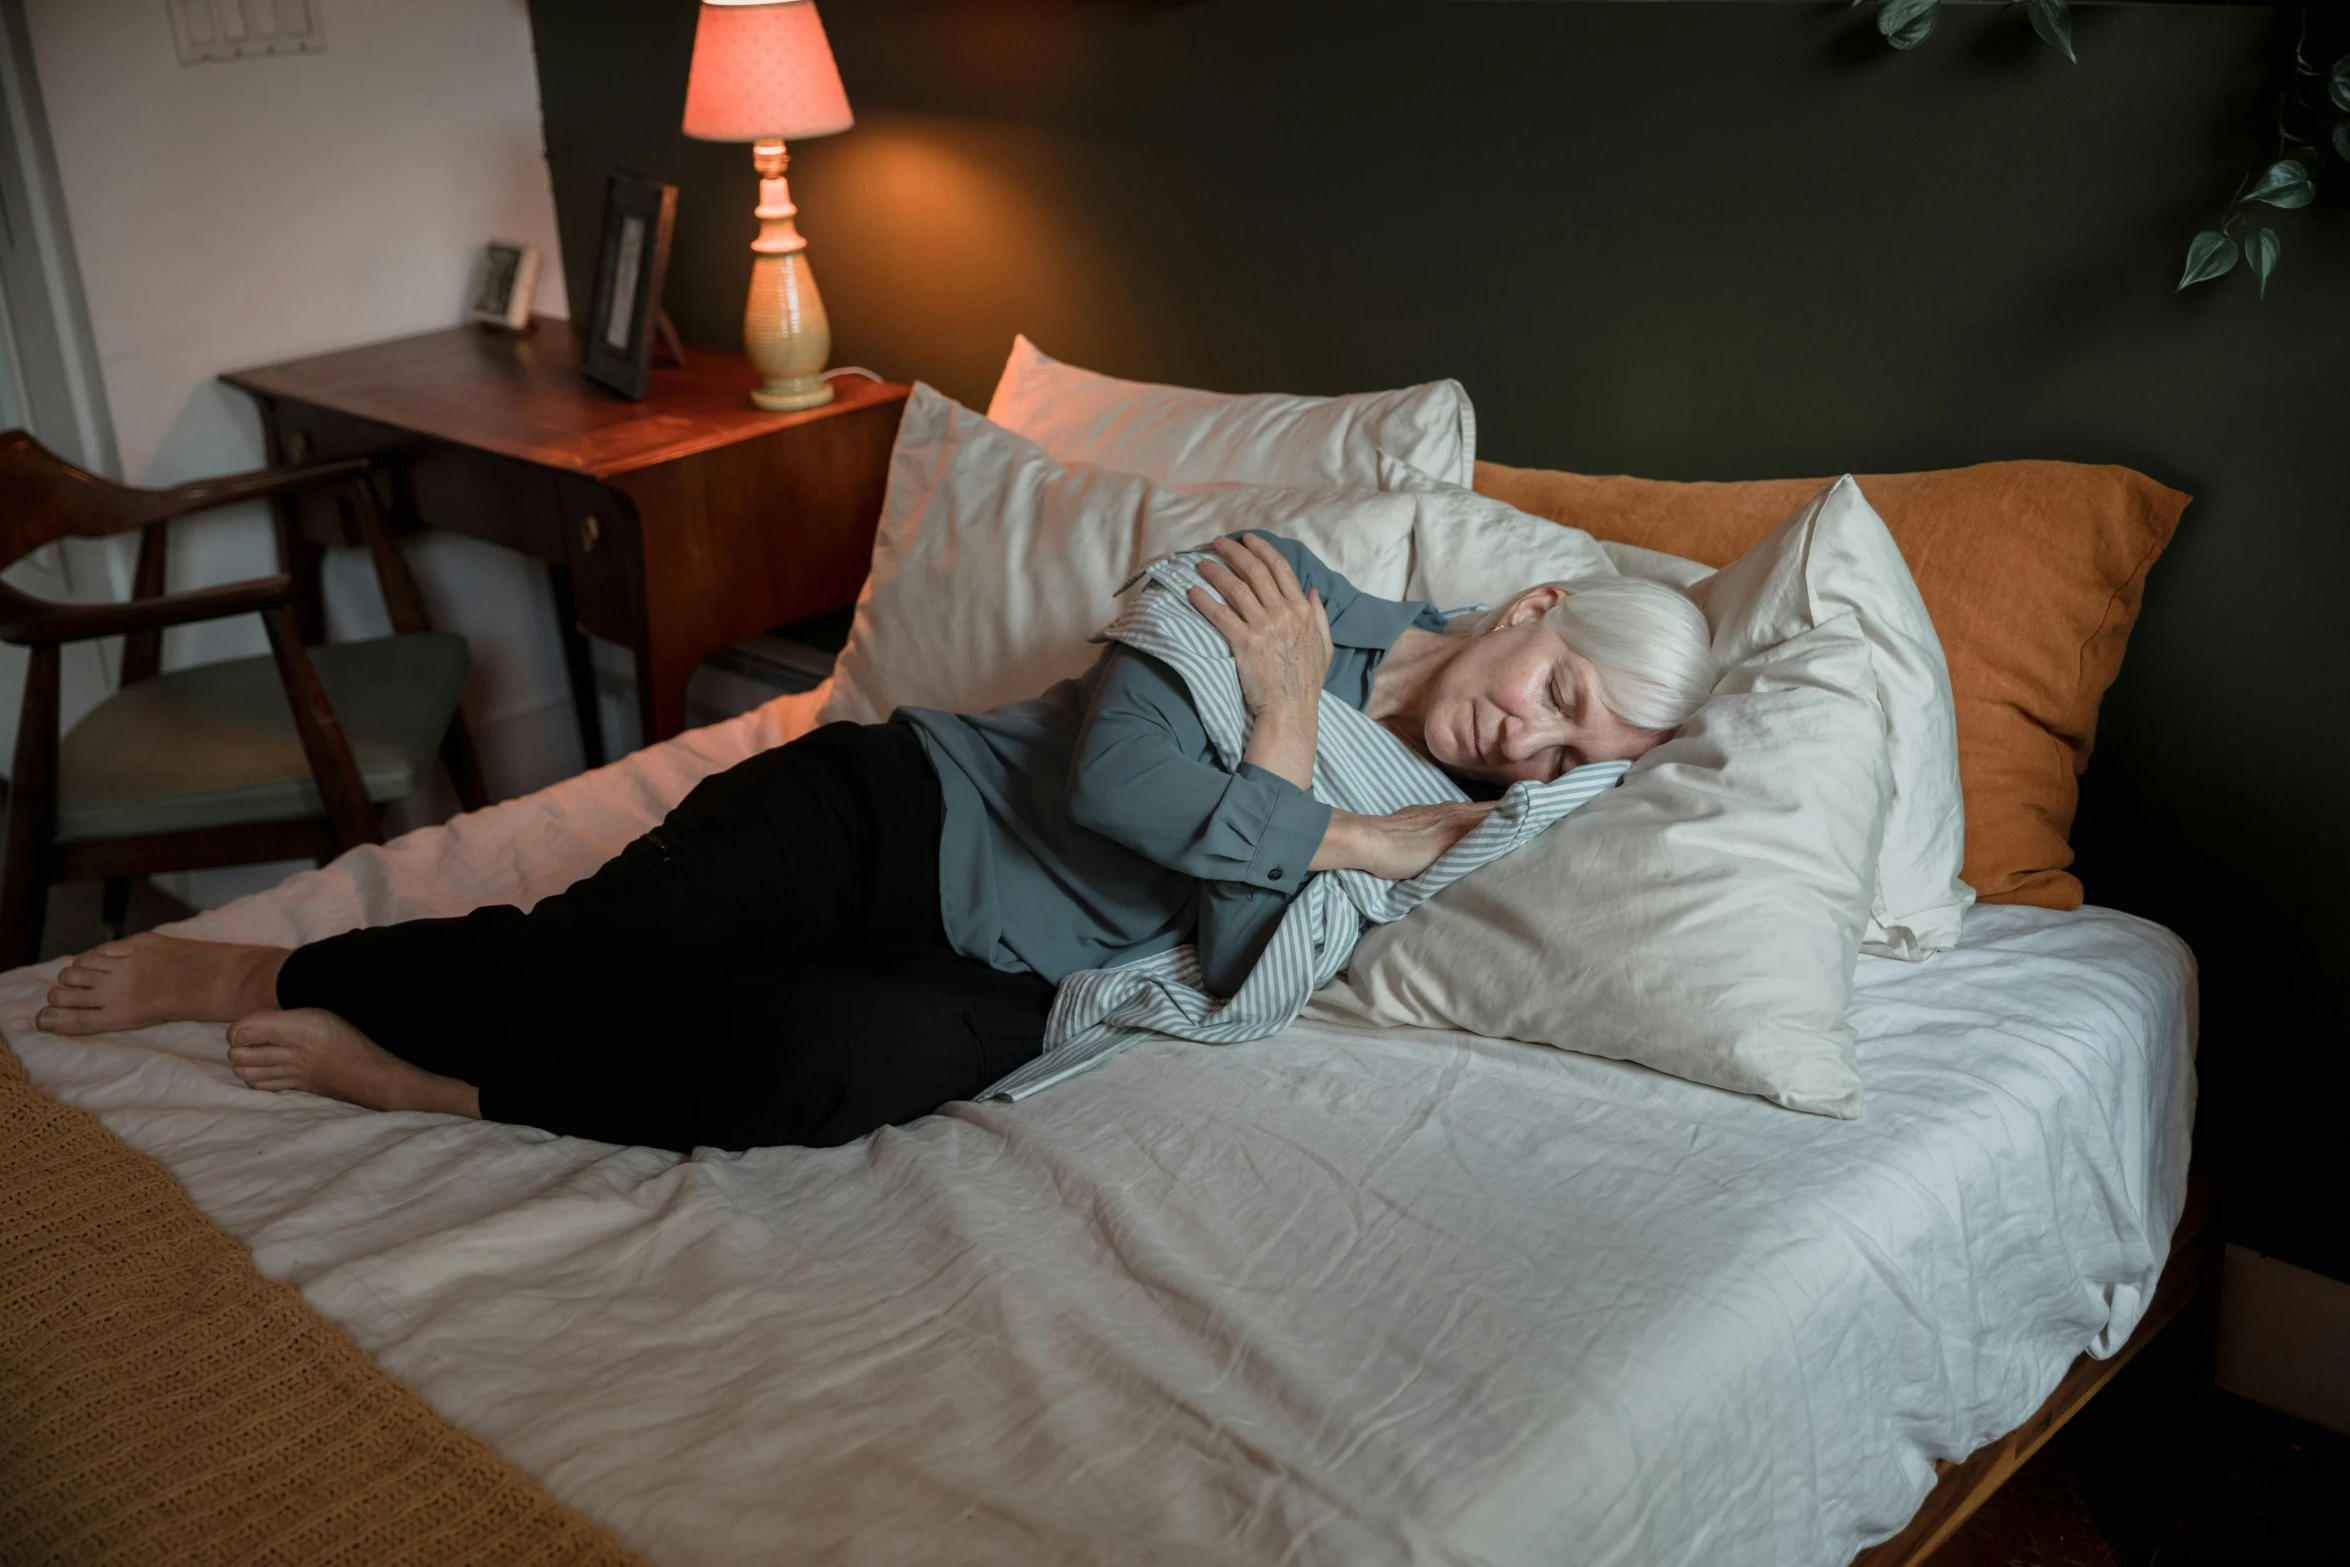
[(1648, 644)]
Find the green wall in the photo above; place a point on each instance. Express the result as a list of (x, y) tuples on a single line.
[(1682, 240)]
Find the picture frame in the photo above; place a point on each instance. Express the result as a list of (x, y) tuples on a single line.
[(621, 325), (505, 283)]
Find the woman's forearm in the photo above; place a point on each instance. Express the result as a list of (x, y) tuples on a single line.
[(1281, 741), (1401, 844), (1342, 844)]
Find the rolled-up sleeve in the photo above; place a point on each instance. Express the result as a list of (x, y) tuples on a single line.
[(1135, 777)]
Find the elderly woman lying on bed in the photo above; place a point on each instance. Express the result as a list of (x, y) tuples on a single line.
[(864, 924)]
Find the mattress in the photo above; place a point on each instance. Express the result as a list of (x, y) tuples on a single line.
[(1339, 1296)]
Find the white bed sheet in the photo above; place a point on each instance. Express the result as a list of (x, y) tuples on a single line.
[(1340, 1296)]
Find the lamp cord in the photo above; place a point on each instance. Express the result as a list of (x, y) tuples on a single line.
[(853, 370)]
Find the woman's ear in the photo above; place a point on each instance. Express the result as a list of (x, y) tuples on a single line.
[(1530, 605)]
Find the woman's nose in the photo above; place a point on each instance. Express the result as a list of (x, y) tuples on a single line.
[(1521, 740)]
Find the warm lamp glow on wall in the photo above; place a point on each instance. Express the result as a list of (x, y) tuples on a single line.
[(763, 73)]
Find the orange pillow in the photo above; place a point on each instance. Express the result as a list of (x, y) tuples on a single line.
[(2033, 572)]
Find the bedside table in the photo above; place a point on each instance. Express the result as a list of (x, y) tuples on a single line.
[(671, 527)]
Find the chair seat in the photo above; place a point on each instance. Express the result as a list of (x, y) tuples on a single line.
[(215, 746)]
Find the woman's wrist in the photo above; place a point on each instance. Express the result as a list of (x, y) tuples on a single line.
[(1281, 740), (1341, 847)]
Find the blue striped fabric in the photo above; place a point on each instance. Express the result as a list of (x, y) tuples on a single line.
[(1358, 767)]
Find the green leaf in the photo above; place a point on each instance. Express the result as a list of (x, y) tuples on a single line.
[(2209, 254), (2284, 183), (2053, 21), (1906, 23), (2338, 83), (2261, 249)]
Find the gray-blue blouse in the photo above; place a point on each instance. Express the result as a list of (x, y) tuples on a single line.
[(1094, 825)]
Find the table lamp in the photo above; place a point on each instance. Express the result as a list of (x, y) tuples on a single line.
[(763, 73)]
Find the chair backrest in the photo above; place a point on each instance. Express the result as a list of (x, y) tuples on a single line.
[(44, 498)]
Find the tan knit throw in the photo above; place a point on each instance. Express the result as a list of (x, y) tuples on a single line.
[(161, 1401)]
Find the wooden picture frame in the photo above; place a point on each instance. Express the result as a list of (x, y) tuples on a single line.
[(504, 284), (618, 333)]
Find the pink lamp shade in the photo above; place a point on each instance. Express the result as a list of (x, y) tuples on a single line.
[(762, 69)]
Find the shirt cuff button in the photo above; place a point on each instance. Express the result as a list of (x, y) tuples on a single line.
[(1274, 874)]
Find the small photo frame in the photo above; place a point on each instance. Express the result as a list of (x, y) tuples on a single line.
[(617, 337), (504, 284)]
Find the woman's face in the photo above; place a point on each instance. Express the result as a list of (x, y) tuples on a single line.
[(1518, 703)]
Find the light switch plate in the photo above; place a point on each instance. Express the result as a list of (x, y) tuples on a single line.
[(207, 30)]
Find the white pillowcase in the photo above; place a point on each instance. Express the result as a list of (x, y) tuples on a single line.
[(1655, 565), (1180, 436), (1703, 918), (1472, 549), (994, 565), (1836, 557)]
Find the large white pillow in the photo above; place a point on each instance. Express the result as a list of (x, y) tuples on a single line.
[(1836, 557), (1472, 549), (1180, 436), (1702, 918), (994, 565), (1674, 571)]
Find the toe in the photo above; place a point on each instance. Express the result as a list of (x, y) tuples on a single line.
[(75, 977), (264, 1066), (255, 1028)]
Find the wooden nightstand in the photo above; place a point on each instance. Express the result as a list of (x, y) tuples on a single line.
[(671, 526)]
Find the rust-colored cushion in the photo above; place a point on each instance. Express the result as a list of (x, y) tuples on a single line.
[(2033, 572)]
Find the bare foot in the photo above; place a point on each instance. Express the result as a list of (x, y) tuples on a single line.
[(148, 978), (316, 1052)]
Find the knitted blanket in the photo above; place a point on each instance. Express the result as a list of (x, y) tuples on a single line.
[(165, 1403), (1358, 767)]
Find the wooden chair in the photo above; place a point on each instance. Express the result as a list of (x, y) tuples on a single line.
[(283, 756)]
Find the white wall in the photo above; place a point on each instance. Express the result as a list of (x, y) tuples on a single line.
[(236, 213)]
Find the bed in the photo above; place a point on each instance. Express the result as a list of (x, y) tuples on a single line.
[(1344, 1295)]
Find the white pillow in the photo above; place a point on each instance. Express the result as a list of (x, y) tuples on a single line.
[(1472, 549), (994, 565), (1702, 918), (1179, 436), (1835, 557), (1655, 565)]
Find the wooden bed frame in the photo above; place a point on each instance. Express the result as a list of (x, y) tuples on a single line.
[(2192, 1274)]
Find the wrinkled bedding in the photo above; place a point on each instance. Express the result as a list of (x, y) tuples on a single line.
[(1338, 1296)]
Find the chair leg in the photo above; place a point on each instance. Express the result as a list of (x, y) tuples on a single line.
[(464, 764), (24, 900), (32, 814), (114, 909)]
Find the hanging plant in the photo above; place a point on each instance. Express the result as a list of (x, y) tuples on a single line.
[(2310, 98), (1908, 23), (2289, 180)]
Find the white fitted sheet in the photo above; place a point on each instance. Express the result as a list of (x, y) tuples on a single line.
[(1339, 1296)]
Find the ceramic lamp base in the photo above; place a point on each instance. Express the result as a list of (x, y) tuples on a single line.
[(785, 330), (785, 396)]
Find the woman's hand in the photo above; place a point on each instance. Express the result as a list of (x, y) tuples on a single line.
[(1280, 639), (1400, 845), (1279, 631)]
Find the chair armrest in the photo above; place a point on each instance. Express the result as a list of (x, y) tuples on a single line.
[(201, 494), (31, 622)]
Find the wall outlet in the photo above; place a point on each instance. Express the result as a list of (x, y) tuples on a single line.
[(207, 30)]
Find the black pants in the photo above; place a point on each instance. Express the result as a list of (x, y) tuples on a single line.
[(766, 966)]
